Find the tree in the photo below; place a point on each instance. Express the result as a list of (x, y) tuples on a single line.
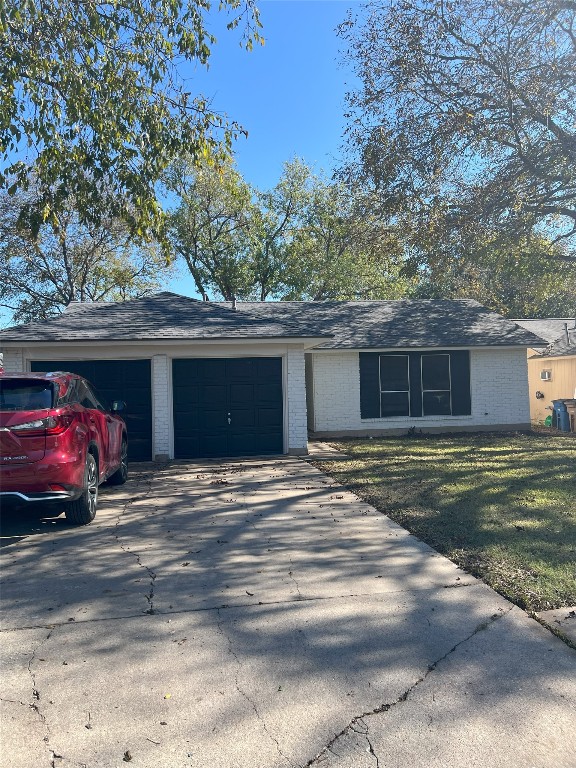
[(341, 250), (92, 107), (211, 228), (70, 261), (471, 103), (307, 238), (523, 277)]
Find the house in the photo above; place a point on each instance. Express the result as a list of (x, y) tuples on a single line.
[(551, 366), (209, 379)]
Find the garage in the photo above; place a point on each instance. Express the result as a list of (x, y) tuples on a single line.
[(227, 407), (127, 380)]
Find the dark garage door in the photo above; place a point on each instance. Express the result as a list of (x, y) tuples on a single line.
[(127, 380), (227, 407)]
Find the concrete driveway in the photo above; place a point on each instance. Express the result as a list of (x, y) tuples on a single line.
[(252, 614)]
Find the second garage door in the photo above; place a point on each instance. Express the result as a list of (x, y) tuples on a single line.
[(227, 407), (127, 380)]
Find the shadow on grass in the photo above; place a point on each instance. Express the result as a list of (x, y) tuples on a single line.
[(501, 506)]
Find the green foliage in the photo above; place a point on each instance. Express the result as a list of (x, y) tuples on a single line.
[(516, 275), (90, 98), (211, 229), (306, 239), (70, 261), (342, 250), (470, 104)]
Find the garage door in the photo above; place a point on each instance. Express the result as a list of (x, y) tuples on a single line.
[(227, 407), (127, 380)]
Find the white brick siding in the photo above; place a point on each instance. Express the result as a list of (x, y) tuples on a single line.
[(13, 360), (296, 402), (499, 389), (161, 407)]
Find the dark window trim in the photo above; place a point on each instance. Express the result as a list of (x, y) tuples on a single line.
[(459, 371)]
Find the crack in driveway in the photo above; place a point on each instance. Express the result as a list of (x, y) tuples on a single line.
[(152, 575), (36, 696), (402, 698), (246, 696)]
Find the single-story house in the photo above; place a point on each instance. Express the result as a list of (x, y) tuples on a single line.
[(552, 365), (209, 379)]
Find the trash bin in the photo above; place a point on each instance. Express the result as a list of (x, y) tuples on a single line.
[(560, 418), (571, 408)]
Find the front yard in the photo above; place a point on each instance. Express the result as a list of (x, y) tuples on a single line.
[(503, 507)]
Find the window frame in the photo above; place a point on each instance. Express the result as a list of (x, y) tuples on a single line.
[(383, 391), (372, 396), (422, 390)]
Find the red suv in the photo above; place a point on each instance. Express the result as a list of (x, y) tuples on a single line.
[(58, 442)]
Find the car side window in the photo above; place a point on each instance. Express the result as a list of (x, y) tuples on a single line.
[(85, 396), (70, 396), (98, 403)]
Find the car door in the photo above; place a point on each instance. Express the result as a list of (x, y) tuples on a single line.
[(96, 420)]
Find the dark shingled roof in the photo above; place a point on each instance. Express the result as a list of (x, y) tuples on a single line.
[(548, 328), (400, 323), (163, 316), (562, 347), (343, 324)]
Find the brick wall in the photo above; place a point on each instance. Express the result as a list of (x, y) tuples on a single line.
[(161, 407), (13, 360), (499, 388), (296, 399)]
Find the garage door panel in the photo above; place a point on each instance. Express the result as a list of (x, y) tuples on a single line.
[(272, 442), (269, 367), (249, 389), (212, 394), (128, 380), (213, 418), (241, 394), (243, 418), (213, 444), (267, 393), (209, 370), (239, 369), (270, 417)]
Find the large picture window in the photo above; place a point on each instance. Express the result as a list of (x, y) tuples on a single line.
[(414, 384)]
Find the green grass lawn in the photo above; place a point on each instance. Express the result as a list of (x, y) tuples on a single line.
[(501, 506)]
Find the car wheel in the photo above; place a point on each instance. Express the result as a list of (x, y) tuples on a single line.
[(82, 510), (121, 475)]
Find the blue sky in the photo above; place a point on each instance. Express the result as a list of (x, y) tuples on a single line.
[(289, 93)]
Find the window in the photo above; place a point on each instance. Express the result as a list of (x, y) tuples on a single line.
[(436, 387), (25, 395), (414, 384), (394, 385)]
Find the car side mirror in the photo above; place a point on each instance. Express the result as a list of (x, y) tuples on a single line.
[(118, 406)]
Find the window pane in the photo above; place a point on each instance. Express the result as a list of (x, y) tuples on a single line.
[(394, 404), (435, 372), (394, 372), (22, 395), (436, 403)]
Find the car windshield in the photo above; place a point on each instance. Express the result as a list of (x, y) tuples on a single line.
[(25, 395)]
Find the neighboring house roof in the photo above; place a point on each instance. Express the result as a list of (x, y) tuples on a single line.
[(562, 347), (335, 324), (548, 328)]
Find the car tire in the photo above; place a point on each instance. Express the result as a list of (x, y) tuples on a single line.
[(82, 510), (121, 475)]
